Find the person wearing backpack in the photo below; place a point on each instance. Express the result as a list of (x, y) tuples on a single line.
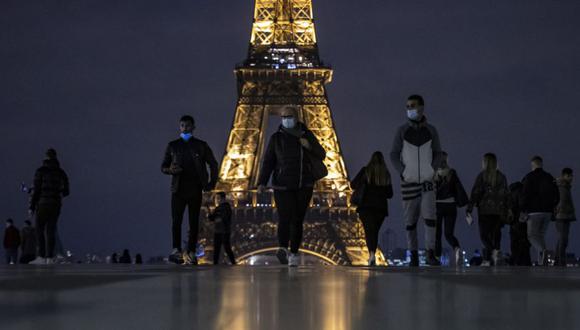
[(372, 190), (450, 196), (490, 194), (50, 186)]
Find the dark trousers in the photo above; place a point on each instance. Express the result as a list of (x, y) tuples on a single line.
[(218, 240), (520, 246), (490, 234), (563, 229), (372, 219), (292, 206), (11, 255), (46, 219), (446, 218), (179, 201)]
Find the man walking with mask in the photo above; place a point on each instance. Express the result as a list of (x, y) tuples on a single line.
[(186, 159), (292, 155), (415, 154)]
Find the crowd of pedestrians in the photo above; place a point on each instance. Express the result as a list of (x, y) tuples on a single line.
[(431, 191)]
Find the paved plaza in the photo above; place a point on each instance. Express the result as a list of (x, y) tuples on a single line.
[(275, 297)]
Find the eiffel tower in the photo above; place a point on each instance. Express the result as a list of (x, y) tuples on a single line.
[(283, 67)]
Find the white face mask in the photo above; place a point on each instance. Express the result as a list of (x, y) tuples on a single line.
[(413, 114), (289, 122)]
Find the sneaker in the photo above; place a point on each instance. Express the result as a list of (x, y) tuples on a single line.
[(372, 260), (38, 261), (189, 258), (294, 260), (414, 259), (431, 260), (544, 260), (282, 256), (50, 261), (485, 263), (495, 257), (175, 252), (458, 257)]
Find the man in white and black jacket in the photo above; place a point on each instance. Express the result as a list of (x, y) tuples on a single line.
[(416, 152)]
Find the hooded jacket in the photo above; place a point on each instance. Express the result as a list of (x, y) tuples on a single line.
[(416, 151), (565, 209), (285, 159), (50, 185), (202, 155)]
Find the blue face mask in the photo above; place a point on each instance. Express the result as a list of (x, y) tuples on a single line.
[(413, 114), (289, 122), (186, 136)]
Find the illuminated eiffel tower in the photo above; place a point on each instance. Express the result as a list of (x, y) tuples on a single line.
[(283, 67)]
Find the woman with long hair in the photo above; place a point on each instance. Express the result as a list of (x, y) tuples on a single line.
[(372, 190), (450, 196), (491, 196)]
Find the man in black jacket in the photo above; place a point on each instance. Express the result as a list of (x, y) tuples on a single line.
[(538, 201), (186, 160), (289, 157), (50, 186)]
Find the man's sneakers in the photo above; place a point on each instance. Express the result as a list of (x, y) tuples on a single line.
[(50, 261), (294, 260), (414, 259), (458, 257), (189, 258), (282, 255), (372, 260), (431, 259), (38, 261)]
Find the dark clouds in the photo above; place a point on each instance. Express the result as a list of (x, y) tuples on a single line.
[(105, 81)]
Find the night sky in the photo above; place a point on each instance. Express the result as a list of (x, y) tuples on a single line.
[(104, 82)]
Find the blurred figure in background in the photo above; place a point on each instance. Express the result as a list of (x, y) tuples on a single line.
[(11, 242), (565, 215), (28, 246)]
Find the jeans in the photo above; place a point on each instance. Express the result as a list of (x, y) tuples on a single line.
[(372, 219), (179, 201), (563, 229), (537, 227), (292, 206), (11, 255), (218, 240), (489, 233), (46, 219), (446, 217)]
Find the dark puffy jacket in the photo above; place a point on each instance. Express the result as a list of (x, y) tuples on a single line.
[(490, 199), (28, 240), (224, 213), (416, 151), (540, 193), (565, 209), (451, 187), (373, 197), (50, 185), (11, 238), (286, 159), (202, 157)]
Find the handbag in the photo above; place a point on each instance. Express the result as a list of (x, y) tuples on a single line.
[(358, 194)]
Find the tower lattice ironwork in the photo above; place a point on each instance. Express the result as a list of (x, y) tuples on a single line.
[(283, 67)]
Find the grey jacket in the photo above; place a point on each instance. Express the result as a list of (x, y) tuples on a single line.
[(565, 209), (416, 151)]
